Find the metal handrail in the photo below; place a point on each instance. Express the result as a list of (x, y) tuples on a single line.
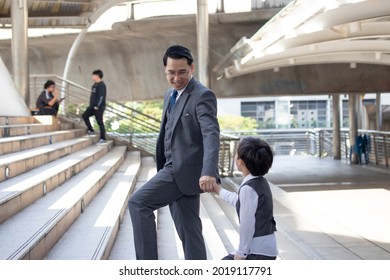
[(319, 142), (141, 130), (77, 97)]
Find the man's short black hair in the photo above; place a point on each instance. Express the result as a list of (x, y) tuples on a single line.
[(98, 73), (178, 52), (256, 154), (49, 83)]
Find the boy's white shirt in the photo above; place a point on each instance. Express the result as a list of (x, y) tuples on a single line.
[(248, 205)]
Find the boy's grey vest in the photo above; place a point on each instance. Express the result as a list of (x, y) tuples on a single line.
[(265, 223)]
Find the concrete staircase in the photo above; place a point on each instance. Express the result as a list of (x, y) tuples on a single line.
[(55, 185), (63, 197), (220, 229)]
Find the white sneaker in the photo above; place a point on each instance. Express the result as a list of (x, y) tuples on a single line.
[(102, 141), (91, 133)]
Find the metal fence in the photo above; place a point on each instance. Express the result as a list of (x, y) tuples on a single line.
[(379, 148), (131, 126), (141, 130), (319, 142), (291, 141)]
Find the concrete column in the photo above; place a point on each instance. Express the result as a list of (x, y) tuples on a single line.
[(19, 45), (202, 24), (359, 110), (336, 127), (130, 14), (221, 6), (328, 112), (353, 125), (378, 112)]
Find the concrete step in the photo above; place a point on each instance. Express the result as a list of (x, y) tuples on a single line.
[(19, 192), (4, 120), (33, 232), (92, 235), (17, 163), (18, 126), (227, 232), (166, 233), (25, 129), (168, 241), (25, 142), (123, 248), (290, 246), (214, 244), (169, 244)]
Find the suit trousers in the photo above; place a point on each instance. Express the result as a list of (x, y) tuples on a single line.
[(158, 192), (250, 257), (99, 119)]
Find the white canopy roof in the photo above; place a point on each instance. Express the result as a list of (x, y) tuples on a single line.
[(315, 32)]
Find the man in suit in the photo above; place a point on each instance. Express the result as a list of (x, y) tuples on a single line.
[(187, 160)]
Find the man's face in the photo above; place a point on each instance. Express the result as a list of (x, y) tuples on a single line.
[(95, 78), (51, 88), (178, 72)]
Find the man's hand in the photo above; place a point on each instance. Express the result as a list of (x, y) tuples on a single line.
[(206, 183), (96, 108), (237, 257)]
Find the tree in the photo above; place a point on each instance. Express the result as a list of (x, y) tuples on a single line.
[(234, 123)]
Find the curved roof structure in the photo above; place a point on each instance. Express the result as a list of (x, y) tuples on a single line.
[(64, 13), (310, 32), (46, 13)]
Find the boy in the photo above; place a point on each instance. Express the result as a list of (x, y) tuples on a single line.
[(253, 202), (97, 104)]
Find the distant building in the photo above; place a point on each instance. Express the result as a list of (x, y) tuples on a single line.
[(292, 112)]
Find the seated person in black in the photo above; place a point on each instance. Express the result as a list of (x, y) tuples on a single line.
[(48, 101)]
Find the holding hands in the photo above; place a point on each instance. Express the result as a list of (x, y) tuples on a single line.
[(209, 184)]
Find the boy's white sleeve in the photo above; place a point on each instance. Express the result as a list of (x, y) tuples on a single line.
[(248, 207), (230, 197)]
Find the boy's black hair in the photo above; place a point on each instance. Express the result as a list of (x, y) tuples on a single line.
[(49, 83), (178, 52), (256, 154), (98, 73)]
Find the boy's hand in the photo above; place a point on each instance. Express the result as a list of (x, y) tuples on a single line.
[(216, 188)]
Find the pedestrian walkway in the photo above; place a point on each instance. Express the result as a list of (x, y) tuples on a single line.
[(328, 209)]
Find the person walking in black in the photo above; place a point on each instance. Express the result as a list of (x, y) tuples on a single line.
[(97, 104)]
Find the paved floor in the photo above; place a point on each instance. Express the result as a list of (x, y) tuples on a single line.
[(327, 209)]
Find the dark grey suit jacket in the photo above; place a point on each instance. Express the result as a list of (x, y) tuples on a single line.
[(195, 137)]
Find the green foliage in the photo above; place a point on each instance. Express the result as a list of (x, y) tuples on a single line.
[(139, 123), (235, 123), (135, 122), (150, 108)]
